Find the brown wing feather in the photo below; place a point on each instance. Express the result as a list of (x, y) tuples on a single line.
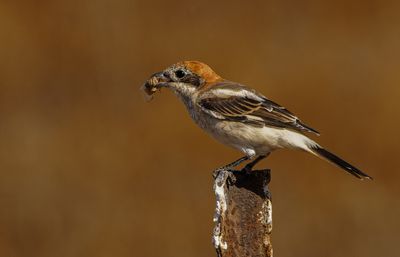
[(237, 108)]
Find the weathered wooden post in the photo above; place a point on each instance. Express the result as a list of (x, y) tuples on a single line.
[(243, 215)]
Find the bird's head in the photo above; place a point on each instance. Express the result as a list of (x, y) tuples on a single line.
[(184, 78)]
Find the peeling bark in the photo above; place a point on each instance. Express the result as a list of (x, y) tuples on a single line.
[(243, 214)]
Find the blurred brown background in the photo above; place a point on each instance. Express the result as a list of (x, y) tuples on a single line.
[(88, 168)]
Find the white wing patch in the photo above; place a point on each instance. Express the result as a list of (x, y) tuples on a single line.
[(224, 92)]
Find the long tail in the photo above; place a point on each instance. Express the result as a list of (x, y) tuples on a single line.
[(325, 154)]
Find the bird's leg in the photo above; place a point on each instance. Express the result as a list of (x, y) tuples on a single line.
[(230, 165), (248, 168), (235, 163)]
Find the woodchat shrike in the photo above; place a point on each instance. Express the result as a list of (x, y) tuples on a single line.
[(238, 116)]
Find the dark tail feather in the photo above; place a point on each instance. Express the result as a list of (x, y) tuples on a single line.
[(339, 162)]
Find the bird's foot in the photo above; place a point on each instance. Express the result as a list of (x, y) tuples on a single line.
[(230, 174), (217, 172), (230, 166), (246, 170)]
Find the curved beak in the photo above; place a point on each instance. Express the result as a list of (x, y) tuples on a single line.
[(155, 82)]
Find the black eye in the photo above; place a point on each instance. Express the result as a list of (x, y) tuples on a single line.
[(180, 74)]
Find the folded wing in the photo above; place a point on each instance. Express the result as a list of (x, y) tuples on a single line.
[(234, 102)]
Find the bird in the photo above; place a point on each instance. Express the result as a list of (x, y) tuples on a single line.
[(240, 117)]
